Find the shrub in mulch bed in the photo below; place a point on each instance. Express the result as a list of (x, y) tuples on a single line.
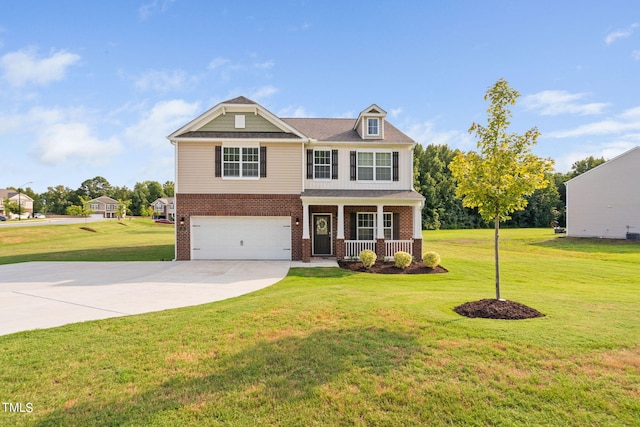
[(389, 268), (88, 229), (497, 309)]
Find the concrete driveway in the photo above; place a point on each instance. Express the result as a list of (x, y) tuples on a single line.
[(38, 295)]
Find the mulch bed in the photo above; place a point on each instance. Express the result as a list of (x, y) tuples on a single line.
[(388, 268), (497, 309)]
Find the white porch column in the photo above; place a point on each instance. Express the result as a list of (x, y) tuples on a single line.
[(417, 222), (380, 222), (305, 220), (340, 231)]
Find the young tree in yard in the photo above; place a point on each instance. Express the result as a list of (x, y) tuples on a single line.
[(83, 209), (498, 178)]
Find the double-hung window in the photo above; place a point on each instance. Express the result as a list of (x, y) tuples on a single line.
[(367, 225), (373, 126), (374, 166), (322, 164), (241, 162)]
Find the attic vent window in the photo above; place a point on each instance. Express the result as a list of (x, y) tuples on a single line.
[(373, 127), (240, 123)]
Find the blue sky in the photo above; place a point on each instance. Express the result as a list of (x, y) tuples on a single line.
[(92, 88)]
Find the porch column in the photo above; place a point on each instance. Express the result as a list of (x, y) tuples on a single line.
[(340, 249), (381, 250), (305, 220), (380, 224), (417, 222), (340, 231), (306, 241)]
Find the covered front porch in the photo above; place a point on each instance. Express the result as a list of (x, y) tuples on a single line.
[(342, 223)]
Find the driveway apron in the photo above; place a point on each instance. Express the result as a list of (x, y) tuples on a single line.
[(38, 295)]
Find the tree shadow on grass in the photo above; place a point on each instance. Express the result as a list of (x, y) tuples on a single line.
[(591, 245), (270, 374)]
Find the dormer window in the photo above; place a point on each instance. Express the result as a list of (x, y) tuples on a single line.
[(373, 126)]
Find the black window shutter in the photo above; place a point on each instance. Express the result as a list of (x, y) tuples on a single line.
[(396, 226), (353, 165), (263, 162), (218, 161), (354, 226), (334, 164), (309, 164), (395, 166)]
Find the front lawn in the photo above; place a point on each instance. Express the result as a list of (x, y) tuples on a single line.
[(111, 240), (333, 347)]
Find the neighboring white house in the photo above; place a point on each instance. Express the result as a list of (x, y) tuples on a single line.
[(605, 201)]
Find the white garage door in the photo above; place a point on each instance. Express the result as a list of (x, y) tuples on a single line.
[(241, 237)]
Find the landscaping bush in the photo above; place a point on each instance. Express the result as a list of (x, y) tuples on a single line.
[(431, 259), (402, 259), (368, 258)]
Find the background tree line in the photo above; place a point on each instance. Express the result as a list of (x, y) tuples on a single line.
[(443, 210), (56, 200), (432, 179)]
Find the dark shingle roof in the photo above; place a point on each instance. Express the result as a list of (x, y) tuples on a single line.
[(239, 100), (342, 130)]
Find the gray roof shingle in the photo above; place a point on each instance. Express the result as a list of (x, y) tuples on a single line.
[(342, 130)]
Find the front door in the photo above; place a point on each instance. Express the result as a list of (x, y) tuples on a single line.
[(321, 234)]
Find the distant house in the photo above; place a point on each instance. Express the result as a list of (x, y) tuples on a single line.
[(605, 201), (164, 207), (105, 206), (22, 199)]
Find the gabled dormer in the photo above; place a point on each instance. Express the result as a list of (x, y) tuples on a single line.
[(370, 123)]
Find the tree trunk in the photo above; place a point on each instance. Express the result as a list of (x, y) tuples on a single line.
[(497, 228)]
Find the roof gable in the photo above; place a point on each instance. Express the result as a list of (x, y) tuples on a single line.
[(634, 151), (258, 123)]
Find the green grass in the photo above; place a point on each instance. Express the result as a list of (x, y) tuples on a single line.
[(331, 347), (128, 240)]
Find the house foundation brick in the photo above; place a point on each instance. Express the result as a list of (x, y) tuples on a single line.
[(340, 249), (380, 249), (417, 249), (306, 250)]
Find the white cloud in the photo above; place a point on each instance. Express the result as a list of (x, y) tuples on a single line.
[(607, 150), (262, 92), (266, 65), (395, 112), (164, 81), (621, 33), (294, 112), (158, 122), (426, 133), (628, 121), (555, 102), (636, 55), (218, 62), (24, 66), (150, 8), (61, 142)]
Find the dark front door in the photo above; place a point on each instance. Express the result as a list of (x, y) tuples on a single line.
[(322, 234)]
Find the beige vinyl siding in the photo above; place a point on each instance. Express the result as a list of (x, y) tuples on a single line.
[(405, 171), (253, 123), (604, 201), (196, 170)]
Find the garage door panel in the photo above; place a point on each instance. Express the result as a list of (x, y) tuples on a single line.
[(241, 237)]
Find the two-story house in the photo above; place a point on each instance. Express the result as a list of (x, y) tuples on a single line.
[(164, 207), (251, 185), (105, 207), (25, 202)]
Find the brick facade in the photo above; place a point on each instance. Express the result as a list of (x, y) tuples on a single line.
[(188, 205)]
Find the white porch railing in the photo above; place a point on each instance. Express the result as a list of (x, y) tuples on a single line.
[(393, 246), (352, 248)]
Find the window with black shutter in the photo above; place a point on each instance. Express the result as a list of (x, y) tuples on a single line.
[(353, 165), (218, 161), (395, 166), (334, 164)]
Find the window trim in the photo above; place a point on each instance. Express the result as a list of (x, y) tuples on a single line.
[(377, 121), (240, 162), (330, 164), (385, 215), (374, 166)]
